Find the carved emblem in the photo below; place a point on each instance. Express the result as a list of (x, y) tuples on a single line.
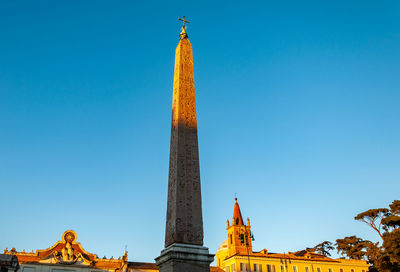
[(69, 237), (68, 254)]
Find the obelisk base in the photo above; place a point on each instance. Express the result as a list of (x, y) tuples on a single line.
[(184, 258)]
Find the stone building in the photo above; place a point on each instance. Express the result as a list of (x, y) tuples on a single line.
[(236, 254), (8, 263), (67, 255)]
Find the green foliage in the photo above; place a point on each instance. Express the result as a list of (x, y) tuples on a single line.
[(395, 207), (391, 221), (372, 214), (391, 245), (324, 248), (354, 247), (373, 218)]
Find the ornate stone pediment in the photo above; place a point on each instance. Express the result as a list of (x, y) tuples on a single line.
[(66, 251), (69, 252)]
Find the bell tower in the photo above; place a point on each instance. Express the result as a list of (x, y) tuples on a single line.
[(239, 234)]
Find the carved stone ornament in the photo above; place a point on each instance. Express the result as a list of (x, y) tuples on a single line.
[(68, 255), (67, 251)]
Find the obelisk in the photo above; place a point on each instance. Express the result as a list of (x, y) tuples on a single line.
[(184, 249)]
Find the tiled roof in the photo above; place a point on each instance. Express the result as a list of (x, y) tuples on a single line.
[(215, 269), (139, 265)]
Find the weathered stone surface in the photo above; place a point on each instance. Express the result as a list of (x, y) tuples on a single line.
[(184, 214)]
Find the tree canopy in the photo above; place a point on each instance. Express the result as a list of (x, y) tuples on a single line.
[(373, 218), (384, 257), (324, 248)]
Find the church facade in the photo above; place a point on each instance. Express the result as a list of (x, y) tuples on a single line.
[(236, 254)]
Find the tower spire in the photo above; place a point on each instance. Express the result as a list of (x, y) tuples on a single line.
[(237, 215)]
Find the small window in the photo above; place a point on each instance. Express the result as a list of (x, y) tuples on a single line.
[(270, 268), (257, 267), (227, 269), (341, 269), (294, 268), (318, 269), (233, 268), (230, 238), (243, 267), (306, 269), (29, 269), (352, 270), (283, 268), (330, 270)]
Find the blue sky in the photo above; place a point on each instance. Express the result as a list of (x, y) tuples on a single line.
[(298, 113)]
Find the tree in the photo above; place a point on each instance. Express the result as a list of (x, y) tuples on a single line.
[(391, 245), (324, 248), (395, 207), (392, 221), (384, 257), (373, 218), (354, 248)]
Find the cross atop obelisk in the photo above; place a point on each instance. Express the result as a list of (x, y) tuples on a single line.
[(183, 29), (184, 249), (184, 21)]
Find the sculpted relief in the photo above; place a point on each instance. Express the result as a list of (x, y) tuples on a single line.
[(69, 255)]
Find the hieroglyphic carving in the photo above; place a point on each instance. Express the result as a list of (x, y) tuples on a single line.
[(184, 213)]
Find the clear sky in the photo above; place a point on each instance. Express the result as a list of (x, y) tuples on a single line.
[(298, 107)]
